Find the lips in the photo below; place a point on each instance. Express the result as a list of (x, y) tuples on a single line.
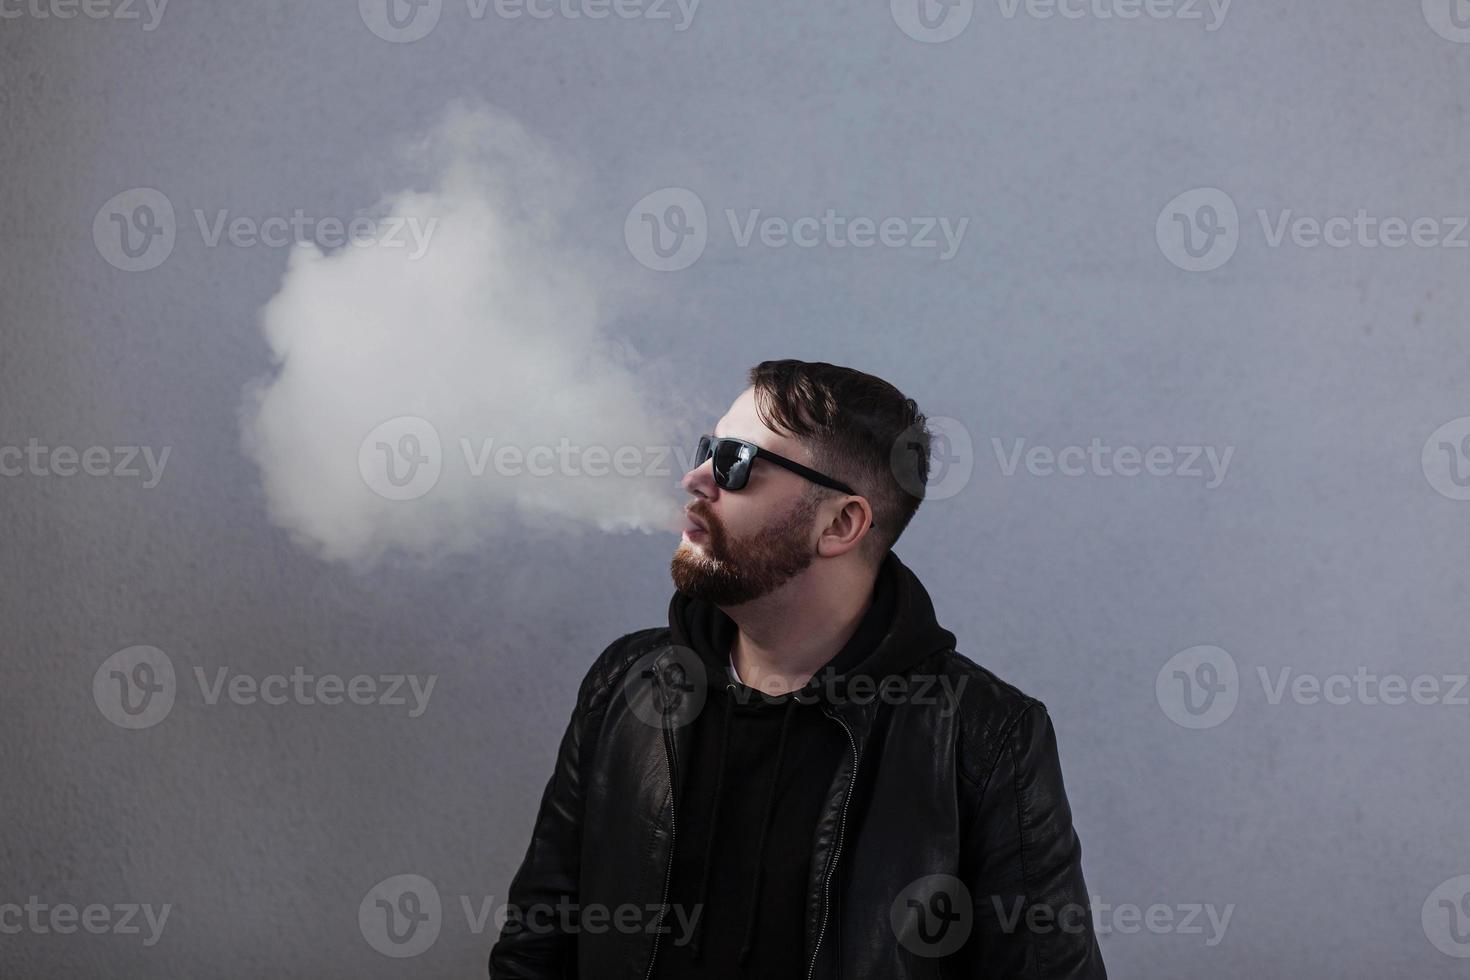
[(692, 523)]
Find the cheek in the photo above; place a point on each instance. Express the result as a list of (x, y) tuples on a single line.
[(734, 516)]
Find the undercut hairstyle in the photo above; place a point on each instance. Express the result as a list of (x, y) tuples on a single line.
[(858, 429)]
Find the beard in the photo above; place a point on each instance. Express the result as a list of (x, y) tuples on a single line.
[(727, 571)]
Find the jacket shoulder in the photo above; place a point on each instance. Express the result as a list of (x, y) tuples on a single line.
[(988, 711), (608, 670)]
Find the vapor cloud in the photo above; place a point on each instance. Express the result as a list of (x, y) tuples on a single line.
[(401, 372)]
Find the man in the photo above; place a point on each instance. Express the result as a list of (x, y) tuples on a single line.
[(799, 776)]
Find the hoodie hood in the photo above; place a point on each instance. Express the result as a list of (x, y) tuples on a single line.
[(911, 634)]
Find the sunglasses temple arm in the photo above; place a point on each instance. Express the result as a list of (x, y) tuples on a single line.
[(810, 474)]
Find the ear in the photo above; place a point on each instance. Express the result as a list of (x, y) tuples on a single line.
[(846, 528)]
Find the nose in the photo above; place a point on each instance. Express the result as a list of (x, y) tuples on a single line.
[(700, 481)]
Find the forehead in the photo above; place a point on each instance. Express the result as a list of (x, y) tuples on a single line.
[(743, 422)]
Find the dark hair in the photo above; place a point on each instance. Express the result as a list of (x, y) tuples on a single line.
[(859, 429)]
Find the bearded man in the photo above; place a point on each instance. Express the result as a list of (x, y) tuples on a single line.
[(799, 776)]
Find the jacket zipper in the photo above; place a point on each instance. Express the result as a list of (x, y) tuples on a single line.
[(669, 871), (836, 850)]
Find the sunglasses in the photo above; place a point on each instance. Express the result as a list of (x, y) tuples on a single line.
[(733, 458)]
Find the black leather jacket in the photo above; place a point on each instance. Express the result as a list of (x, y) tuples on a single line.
[(945, 848)]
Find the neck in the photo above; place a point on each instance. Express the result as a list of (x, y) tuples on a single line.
[(789, 634)]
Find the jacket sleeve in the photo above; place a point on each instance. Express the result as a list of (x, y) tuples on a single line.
[(1022, 865), (543, 894)]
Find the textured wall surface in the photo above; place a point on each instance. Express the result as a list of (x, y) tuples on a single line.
[(1177, 623)]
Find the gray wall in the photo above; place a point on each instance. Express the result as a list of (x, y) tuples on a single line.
[(1333, 544)]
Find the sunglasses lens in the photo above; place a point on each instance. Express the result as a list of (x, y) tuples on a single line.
[(730, 466), (701, 452)]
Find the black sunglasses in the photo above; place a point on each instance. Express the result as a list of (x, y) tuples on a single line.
[(733, 458)]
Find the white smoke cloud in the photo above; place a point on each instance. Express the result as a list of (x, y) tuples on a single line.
[(493, 336)]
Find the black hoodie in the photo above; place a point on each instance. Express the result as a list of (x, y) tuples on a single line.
[(761, 770)]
